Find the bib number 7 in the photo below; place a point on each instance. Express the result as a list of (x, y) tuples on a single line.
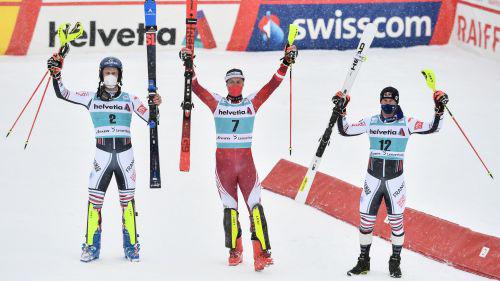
[(236, 123)]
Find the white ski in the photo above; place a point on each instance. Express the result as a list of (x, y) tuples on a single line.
[(359, 57)]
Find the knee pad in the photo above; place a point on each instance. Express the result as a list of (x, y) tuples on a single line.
[(232, 228), (259, 226), (129, 226), (396, 223), (93, 224), (367, 223)]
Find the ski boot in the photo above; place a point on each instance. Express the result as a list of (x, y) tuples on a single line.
[(362, 267), (91, 251), (131, 250), (262, 258), (92, 246), (394, 269), (260, 238), (232, 231), (131, 246), (236, 254)]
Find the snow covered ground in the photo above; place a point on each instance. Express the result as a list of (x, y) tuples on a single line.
[(45, 187)]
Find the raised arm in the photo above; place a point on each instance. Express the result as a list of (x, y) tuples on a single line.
[(419, 127), (207, 97), (353, 129), (55, 64), (263, 94), (346, 129), (82, 97)]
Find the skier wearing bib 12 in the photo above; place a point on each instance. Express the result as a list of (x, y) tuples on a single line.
[(388, 133), (111, 112), (234, 120)]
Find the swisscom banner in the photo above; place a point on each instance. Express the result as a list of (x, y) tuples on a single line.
[(331, 24)]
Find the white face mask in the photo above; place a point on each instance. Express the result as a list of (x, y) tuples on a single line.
[(110, 81)]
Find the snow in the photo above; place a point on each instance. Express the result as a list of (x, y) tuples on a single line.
[(45, 187)]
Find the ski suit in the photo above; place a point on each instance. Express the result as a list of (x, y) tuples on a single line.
[(384, 178), (234, 128), (114, 153)]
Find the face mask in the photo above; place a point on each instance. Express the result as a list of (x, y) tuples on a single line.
[(110, 81), (235, 90), (388, 108)]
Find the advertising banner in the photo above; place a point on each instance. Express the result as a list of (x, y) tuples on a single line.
[(30, 26), (477, 27), (337, 24)]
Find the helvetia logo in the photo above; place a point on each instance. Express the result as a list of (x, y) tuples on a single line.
[(230, 112), (109, 107), (123, 36), (383, 132)]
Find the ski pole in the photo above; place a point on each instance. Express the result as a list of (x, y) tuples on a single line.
[(431, 83), (26, 105), (37, 111), (293, 30), (290, 141)]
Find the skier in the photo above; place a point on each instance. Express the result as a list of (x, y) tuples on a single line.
[(234, 120), (111, 112), (388, 133)]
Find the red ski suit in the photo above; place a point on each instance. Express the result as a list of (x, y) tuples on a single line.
[(234, 165)]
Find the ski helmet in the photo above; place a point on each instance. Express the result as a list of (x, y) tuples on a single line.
[(390, 93), (111, 62), (234, 73)]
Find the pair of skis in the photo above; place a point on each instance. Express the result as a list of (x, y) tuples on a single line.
[(187, 105), (359, 57), (154, 158)]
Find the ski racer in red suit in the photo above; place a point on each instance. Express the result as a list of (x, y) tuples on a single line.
[(234, 119)]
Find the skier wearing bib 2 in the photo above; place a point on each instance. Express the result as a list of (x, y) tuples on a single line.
[(234, 120), (111, 112), (388, 133)]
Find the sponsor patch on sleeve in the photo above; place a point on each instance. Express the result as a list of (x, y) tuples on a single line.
[(142, 109), (82, 94), (418, 125), (360, 123)]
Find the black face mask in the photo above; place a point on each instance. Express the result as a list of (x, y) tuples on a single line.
[(388, 108)]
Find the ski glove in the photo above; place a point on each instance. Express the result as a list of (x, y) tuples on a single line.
[(291, 54), (54, 65), (340, 103), (440, 101), (186, 54)]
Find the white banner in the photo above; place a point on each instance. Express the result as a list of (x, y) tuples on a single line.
[(477, 27), (120, 26)]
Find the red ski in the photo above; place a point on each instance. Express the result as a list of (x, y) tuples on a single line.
[(187, 104)]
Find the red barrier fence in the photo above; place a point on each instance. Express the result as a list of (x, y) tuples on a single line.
[(431, 236)]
